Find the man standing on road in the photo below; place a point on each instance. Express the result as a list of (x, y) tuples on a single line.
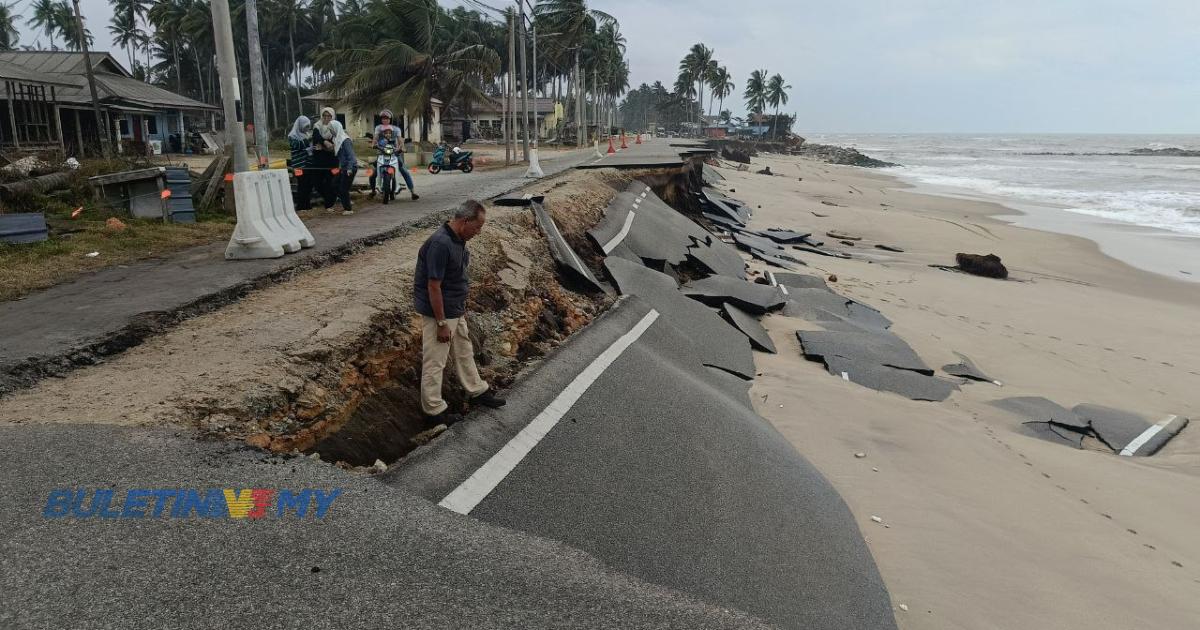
[(440, 294)]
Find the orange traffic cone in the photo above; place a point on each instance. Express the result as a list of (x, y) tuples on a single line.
[(611, 150), (623, 145), (639, 138)]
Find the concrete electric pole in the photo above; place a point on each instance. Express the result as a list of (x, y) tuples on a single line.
[(231, 94), (256, 84)]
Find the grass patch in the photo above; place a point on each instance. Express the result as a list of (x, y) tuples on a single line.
[(32, 266)]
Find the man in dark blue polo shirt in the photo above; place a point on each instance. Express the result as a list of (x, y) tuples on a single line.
[(440, 294)]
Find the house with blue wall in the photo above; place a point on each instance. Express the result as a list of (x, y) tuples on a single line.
[(134, 112)]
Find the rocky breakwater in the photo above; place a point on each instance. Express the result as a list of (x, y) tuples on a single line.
[(838, 155)]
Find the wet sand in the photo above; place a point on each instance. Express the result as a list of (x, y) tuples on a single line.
[(984, 527)]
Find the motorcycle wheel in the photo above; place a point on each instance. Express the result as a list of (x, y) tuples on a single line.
[(434, 169), (467, 166)]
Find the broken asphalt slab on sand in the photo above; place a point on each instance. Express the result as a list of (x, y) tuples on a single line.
[(874, 358), (749, 325), (967, 369), (388, 557), (749, 296), (1124, 432), (661, 470), (830, 309)]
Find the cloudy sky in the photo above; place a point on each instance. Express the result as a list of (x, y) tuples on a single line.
[(1006, 66)]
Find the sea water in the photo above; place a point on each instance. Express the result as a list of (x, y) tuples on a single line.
[(1072, 174)]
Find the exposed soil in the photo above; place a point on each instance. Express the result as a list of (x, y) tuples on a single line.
[(328, 361)]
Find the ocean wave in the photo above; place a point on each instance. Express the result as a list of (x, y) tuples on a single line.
[(1173, 210)]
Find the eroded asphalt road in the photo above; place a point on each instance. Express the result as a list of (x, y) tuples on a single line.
[(657, 498)]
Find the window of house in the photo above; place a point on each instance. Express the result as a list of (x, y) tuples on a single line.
[(124, 123), (152, 124)]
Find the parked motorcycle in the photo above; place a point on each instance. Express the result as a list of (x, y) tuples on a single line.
[(445, 158)]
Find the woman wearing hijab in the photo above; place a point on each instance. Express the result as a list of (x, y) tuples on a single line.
[(300, 141), (324, 156), (347, 165)]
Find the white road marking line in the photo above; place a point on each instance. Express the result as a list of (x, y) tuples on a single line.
[(1140, 441), (482, 482), (616, 240), (845, 376), (784, 289), (771, 277)]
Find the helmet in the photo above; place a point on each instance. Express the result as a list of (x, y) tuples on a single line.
[(385, 112)]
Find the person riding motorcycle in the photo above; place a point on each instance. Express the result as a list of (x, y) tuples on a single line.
[(385, 122)]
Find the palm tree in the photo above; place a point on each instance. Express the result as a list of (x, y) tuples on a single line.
[(756, 92), (776, 95), (415, 62), (9, 36), (68, 27), (167, 17), (721, 83), (573, 23), (45, 17), (695, 65), (124, 29)]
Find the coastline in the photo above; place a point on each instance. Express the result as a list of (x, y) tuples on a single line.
[(1156, 250), (982, 526)]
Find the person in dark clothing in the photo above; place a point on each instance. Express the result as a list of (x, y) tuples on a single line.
[(440, 287), (347, 166), (324, 157), (300, 142)]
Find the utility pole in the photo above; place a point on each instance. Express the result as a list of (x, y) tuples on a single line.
[(91, 79), (524, 86), (231, 94), (580, 116), (256, 84), (510, 114), (535, 167)]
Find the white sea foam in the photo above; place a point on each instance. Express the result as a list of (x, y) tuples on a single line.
[(1155, 191)]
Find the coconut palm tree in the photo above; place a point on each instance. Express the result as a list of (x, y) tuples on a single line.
[(572, 23), (167, 17), (776, 95), (45, 17), (756, 92), (124, 29), (9, 36), (695, 66), (415, 61), (721, 84), (68, 27)]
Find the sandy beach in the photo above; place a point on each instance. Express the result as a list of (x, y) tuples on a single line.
[(982, 526)]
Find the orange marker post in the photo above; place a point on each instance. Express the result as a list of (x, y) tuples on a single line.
[(623, 145), (611, 150)]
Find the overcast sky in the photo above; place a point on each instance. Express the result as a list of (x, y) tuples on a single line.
[(928, 65)]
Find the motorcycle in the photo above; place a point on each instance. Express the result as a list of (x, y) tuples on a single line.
[(451, 159), (386, 166)]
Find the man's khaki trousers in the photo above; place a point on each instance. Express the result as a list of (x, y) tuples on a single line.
[(434, 355)]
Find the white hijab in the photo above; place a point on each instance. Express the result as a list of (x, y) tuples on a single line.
[(326, 130), (339, 135), (301, 129)]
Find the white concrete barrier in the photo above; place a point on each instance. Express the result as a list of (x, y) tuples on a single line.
[(267, 225)]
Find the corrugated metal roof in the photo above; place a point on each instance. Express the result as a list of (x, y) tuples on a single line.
[(62, 61), (14, 72), (67, 69)]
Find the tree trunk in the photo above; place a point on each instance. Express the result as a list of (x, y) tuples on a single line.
[(295, 67)]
